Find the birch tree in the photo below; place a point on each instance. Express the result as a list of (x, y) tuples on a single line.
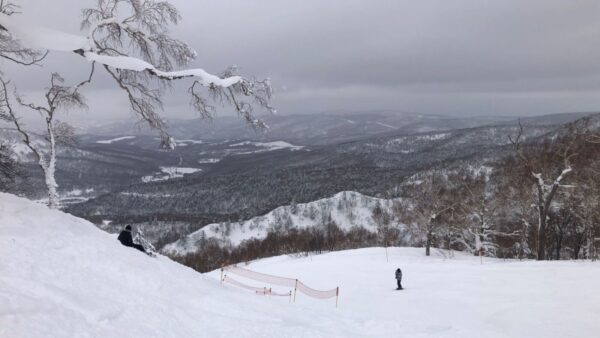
[(130, 39), (430, 199), (10, 48), (481, 207), (547, 176), (131, 42), (57, 97)]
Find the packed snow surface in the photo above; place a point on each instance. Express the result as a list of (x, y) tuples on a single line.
[(62, 277)]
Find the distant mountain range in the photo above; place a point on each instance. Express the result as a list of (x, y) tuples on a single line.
[(227, 172), (321, 129)]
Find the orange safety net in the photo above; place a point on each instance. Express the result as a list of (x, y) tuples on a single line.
[(261, 277), (227, 279), (283, 281), (316, 293), (261, 291)]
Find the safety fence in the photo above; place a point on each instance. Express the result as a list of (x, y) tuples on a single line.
[(276, 280), (261, 291)]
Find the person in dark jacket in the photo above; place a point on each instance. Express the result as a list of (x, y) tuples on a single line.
[(399, 278), (126, 239)]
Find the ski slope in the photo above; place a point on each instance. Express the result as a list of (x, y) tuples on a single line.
[(62, 277)]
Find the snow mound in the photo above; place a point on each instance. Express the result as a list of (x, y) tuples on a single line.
[(60, 276)]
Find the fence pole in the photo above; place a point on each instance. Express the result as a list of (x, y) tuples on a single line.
[(295, 289), (337, 296), (221, 275)]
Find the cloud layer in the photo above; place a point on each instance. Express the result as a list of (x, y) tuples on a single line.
[(509, 57)]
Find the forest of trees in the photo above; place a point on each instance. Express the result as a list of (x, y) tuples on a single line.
[(490, 210)]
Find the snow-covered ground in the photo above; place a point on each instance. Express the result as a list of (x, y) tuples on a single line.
[(209, 160), (266, 146), (185, 143), (123, 138), (167, 173), (62, 277)]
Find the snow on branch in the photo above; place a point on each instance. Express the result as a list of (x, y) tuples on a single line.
[(50, 39), (137, 65), (130, 38), (562, 175)]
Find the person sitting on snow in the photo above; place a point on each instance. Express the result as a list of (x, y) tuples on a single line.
[(399, 278), (126, 239)]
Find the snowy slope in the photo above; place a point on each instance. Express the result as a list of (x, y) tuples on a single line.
[(62, 277), (347, 209), (456, 297)]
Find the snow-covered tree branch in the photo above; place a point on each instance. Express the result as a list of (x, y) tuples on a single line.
[(10, 48), (545, 191), (130, 39)]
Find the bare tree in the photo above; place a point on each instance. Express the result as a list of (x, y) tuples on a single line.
[(546, 188), (430, 199), (387, 232), (58, 97), (130, 39), (480, 208), (9, 168), (143, 33), (10, 48)]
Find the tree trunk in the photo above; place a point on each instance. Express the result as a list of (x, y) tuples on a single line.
[(50, 169), (53, 198), (428, 245), (559, 239), (541, 235)]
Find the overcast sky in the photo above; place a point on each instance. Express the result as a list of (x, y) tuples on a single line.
[(503, 57)]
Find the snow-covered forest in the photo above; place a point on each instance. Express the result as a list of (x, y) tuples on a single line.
[(491, 209), (145, 193)]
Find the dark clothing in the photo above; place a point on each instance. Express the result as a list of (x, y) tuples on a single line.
[(399, 278), (126, 239)]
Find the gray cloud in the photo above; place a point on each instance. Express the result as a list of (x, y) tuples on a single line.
[(447, 57)]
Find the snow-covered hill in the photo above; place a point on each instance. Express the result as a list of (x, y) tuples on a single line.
[(346, 209), (62, 277)]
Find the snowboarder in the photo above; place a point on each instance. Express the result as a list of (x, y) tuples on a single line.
[(399, 278), (126, 239)]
